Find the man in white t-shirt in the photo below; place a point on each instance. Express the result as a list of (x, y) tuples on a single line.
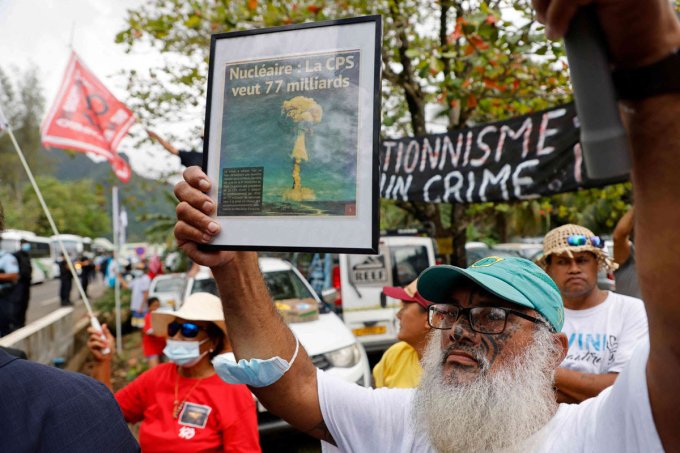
[(489, 367), (139, 288), (603, 328)]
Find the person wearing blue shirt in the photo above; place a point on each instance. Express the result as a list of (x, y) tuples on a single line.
[(51, 410), (9, 275)]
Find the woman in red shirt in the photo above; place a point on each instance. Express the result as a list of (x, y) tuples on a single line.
[(184, 406)]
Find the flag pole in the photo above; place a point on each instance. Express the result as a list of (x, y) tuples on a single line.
[(29, 173), (116, 254)]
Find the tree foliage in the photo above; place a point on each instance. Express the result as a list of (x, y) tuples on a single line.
[(161, 225), (446, 64), (22, 103), (76, 207)]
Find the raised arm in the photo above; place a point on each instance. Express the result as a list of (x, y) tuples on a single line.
[(9, 277), (575, 386), (101, 370), (164, 143), (122, 281), (621, 237), (655, 131), (638, 34), (256, 330)]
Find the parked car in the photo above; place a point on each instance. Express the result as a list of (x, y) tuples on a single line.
[(606, 280), (529, 251), (169, 289), (328, 342), (475, 251)]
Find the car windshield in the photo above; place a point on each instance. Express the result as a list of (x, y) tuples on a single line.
[(281, 284), (168, 285), (9, 245), (204, 285), (407, 263), (286, 285), (477, 254), (529, 252)]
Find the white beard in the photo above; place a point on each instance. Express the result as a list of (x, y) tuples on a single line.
[(497, 411)]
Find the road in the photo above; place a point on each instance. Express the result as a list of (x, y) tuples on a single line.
[(45, 299)]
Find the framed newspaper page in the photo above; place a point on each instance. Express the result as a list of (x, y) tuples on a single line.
[(292, 135)]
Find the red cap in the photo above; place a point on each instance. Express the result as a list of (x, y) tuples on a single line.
[(407, 294)]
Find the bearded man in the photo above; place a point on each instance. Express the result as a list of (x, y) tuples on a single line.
[(488, 373)]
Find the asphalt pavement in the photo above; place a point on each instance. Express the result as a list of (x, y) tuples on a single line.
[(45, 298)]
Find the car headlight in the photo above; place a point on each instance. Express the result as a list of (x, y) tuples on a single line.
[(345, 357)]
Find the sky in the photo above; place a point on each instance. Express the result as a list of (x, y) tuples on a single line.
[(39, 32)]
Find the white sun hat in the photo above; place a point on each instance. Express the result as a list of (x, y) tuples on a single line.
[(198, 307)]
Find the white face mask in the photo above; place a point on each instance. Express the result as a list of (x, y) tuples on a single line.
[(184, 353), (253, 372)]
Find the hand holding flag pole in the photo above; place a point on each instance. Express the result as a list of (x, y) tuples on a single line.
[(85, 117), (4, 125)]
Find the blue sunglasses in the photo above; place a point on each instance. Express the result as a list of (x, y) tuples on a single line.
[(576, 240), (188, 329)]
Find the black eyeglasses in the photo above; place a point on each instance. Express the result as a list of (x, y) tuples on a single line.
[(489, 320), (576, 240), (188, 329)]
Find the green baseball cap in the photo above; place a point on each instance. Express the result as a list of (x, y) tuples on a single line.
[(516, 280)]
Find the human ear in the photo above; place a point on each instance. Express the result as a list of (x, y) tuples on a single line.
[(561, 347), (426, 324)]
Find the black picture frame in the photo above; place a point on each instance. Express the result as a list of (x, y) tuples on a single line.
[(253, 71)]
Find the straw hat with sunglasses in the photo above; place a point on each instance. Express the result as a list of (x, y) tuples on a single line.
[(187, 393), (569, 239)]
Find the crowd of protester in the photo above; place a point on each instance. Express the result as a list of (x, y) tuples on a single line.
[(505, 355)]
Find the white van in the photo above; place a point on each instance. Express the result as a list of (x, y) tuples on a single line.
[(168, 288), (368, 313), (42, 261)]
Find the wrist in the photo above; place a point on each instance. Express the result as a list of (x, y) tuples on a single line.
[(239, 280), (241, 262), (103, 363), (658, 78), (237, 272), (650, 45)]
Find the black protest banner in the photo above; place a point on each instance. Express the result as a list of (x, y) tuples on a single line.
[(518, 159)]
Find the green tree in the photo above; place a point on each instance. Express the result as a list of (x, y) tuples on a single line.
[(77, 207), (23, 103), (162, 225), (468, 62)]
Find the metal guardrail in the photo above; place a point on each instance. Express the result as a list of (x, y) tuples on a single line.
[(46, 338)]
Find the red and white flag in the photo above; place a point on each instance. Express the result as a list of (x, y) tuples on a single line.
[(86, 117)]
